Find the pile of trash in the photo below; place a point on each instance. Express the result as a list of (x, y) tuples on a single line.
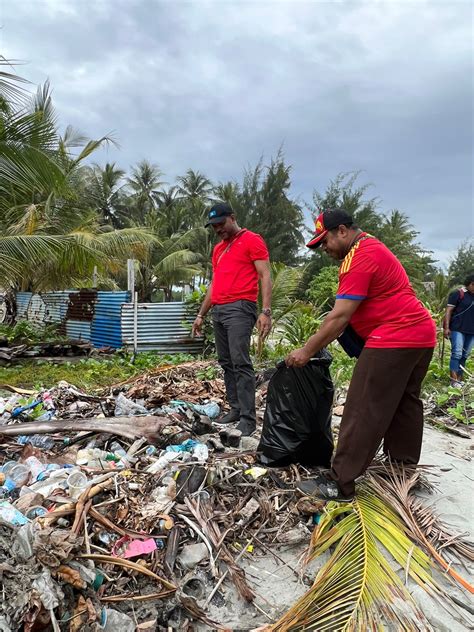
[(67, 349), (131, 510)]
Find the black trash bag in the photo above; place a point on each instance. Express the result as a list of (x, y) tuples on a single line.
[(297, 420)]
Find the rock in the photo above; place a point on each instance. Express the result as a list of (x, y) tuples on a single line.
[(249, 443), (294, 536), (338, 410), (192, 554), (215, 443), (203, 425), (230, 438)]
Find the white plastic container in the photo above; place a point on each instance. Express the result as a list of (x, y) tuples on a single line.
[(77, 483)]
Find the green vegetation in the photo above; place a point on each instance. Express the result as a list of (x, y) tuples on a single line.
[(455, 403), (88, 373), (25, 332)]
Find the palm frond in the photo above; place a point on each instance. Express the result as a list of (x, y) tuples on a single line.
[(357, 589), (285, 284), (11, 85), (91, 146), (424, 526)]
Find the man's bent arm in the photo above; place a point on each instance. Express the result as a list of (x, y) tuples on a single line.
[(263, 268), (447, 319), (206, 304), (332, 327), (196, 329)]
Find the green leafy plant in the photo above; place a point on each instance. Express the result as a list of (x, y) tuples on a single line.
[(25, 332), (210, 372), (299, 324)]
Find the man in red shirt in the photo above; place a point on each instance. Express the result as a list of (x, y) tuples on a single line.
[(239, 261), (398, 336)]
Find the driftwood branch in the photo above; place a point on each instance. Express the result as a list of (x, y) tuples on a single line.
[(148, 426)]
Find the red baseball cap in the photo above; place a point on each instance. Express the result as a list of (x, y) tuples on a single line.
[(327, 221)]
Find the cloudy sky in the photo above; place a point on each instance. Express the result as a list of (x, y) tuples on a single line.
[(382, 87)]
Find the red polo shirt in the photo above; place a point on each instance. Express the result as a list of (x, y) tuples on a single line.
[(389, 315), (235, 277)]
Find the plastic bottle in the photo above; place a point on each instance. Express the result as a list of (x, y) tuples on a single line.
[(39, 441), (124, 460), (46, 416), (35, 466), (161, 463), (17, 477), (47, 469), (116, 448), (92, 457)]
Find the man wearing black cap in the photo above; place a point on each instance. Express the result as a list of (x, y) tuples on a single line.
[(239, 261), (398, 335)]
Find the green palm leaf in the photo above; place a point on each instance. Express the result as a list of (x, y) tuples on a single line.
[(357, 589)]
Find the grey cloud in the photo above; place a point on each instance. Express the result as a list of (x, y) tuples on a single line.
[(382, 87)]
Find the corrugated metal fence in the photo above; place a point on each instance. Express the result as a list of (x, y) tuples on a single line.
[(106, 319), (160, 326)]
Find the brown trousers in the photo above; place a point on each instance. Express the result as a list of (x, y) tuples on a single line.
[(383, 402)]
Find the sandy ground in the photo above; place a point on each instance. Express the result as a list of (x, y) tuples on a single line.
[(279, 582)]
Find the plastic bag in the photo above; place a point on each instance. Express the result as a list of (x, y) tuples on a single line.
[(297, 420), (125, 407)]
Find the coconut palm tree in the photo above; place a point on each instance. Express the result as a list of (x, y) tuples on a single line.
[(195, 191), (48, 236), (103, 191), (143, 183)]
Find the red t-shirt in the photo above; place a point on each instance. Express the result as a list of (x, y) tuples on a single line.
[(235, 277), (390, 315)]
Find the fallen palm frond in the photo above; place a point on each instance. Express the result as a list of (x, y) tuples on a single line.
[(357, 589), (132, 566), (395, 486)]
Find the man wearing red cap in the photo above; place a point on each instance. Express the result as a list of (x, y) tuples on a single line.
[(397, 337)]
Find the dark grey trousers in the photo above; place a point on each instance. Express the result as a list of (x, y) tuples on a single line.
[(233, 325)]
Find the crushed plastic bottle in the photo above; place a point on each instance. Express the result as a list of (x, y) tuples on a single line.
[(126, 407), (116, 448), (38, 441), (46, 416), (186, 446), (124, 461), (113, 620), (51, 467), (17, 477), (211, 410), (10, 515), (95, 457)]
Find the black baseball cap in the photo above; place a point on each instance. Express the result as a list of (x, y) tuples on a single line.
[(218, 213), (328, 220)]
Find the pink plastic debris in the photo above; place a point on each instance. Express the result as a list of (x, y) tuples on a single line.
[(126, 547)]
